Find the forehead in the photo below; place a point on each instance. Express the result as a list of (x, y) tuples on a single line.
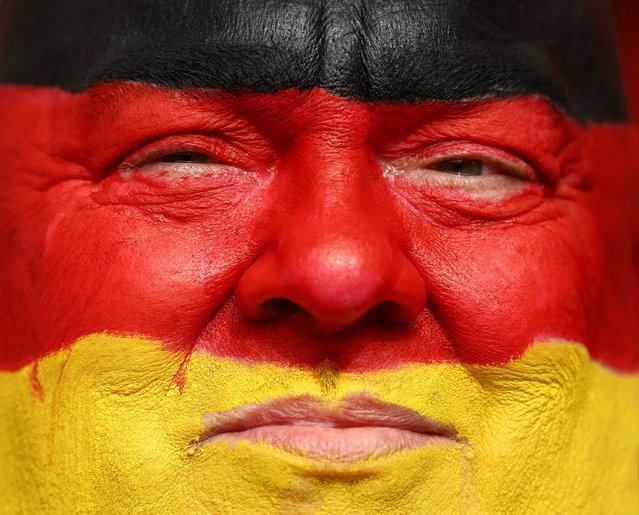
[(398, 50)]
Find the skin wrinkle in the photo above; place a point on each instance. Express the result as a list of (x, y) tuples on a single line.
[(455, 125)]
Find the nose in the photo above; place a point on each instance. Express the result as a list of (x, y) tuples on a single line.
[(338, 265)]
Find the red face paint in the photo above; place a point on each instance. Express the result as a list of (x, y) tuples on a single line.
[(627, 14), (319, 230)]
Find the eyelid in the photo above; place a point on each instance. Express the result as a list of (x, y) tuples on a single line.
[(222, 153), (505, 160)]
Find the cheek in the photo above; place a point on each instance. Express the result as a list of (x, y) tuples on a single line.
[(129, 267), (497, 287), (562, 270)]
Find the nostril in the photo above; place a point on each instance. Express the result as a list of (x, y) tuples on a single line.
[(366, 282), (384, 312), (276, 307), (387, 311)]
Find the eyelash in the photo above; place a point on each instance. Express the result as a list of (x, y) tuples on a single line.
[(420, 169), (504, 161), (154, 152)]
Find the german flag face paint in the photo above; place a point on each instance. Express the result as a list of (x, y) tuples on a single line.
[(316, 256)]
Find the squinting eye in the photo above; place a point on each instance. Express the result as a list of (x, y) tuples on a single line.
[(179, 164), (464, 167), (186, 157), (479, 171)]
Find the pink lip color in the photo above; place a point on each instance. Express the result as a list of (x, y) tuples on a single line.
[(359, 427)]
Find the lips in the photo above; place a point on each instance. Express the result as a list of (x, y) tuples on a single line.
[(359, 427)]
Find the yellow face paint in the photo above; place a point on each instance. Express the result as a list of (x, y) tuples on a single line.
[(112, 433)]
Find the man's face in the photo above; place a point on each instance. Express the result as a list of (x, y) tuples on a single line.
[(303, 255)]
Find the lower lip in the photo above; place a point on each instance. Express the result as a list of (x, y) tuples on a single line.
[(335, 444)]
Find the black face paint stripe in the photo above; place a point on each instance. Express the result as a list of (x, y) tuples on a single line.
[(394, 50), (267, 70)]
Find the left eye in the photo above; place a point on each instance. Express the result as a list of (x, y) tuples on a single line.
[(478, 171), (186, 157), (463, 167)]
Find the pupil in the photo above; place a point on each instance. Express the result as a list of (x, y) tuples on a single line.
[(466, 167), (186, 157)]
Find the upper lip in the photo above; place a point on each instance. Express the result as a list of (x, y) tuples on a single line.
[(356, 410)]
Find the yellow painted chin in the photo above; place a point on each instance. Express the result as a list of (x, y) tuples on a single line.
[(551, 432)]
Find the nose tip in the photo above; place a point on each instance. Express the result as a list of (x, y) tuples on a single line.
[(338, 282)]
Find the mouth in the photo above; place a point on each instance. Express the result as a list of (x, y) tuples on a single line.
[(360, 426)]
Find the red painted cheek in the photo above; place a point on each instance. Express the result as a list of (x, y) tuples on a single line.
[(314, 253), (135, 255), (119, 268)]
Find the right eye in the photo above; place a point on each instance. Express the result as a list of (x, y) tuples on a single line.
[(178, 160), (186, 157)]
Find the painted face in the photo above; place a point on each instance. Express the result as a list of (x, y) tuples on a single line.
[(373, 256)]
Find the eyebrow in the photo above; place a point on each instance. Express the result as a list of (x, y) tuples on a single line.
[(466, 74)]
